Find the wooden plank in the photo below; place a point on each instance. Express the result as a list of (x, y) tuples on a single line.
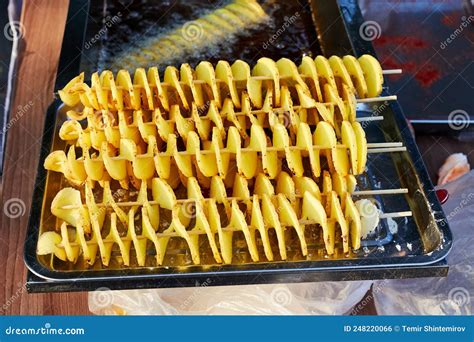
[(43, 22)]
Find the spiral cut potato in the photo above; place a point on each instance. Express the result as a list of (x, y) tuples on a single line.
[(113, 125), (294, 202), (320, 80), (217, 155), (210, 29), (141, 162)]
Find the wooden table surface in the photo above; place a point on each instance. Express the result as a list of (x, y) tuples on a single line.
[(43, 22), (43, 25)]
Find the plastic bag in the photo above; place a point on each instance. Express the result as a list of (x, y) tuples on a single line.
[(453, 295), (328, 298)]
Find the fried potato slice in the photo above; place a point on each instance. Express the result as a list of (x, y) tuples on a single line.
[(293, 157), (304, 140), (138, 244), (372, 73), (154, 79), (339, 185), (326, 114), (56, 161), (47, 244), (357, 75), (187, 77), (263, 185), (339, 70), (288, 217), (245, 160), (238, 221), (241, 72), (287, 68), (324, 135), (116, 168), (361, 147), (225, 237), (171, 77), (304, 184), (351, 182), (124, 80), (270, 217), (267, 67), (67, 95), (308, 68), (353, 219), (340, 161), (224, 73), (140, 79), (270, 161), (349, 139), (286, 186), (325, 72), (327, 182), (258, 222), (338, 216), (350, 103), (101, 94), (312, 209), (304, 97), (331, 95), (205, 72), (67, 206)]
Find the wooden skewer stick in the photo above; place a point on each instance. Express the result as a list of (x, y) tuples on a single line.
[(370, 118), (385, 144), (378, 99), (247, 149), (192, 200), (229, 229), (380, 192), (259, 78), (397, 214), (268, 78), (392, 71), (361, 119), (387, 149)]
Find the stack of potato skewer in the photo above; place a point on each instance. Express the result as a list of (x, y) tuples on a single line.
[(206, 131)]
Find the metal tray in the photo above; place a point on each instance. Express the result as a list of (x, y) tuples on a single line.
[(416, 249)]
